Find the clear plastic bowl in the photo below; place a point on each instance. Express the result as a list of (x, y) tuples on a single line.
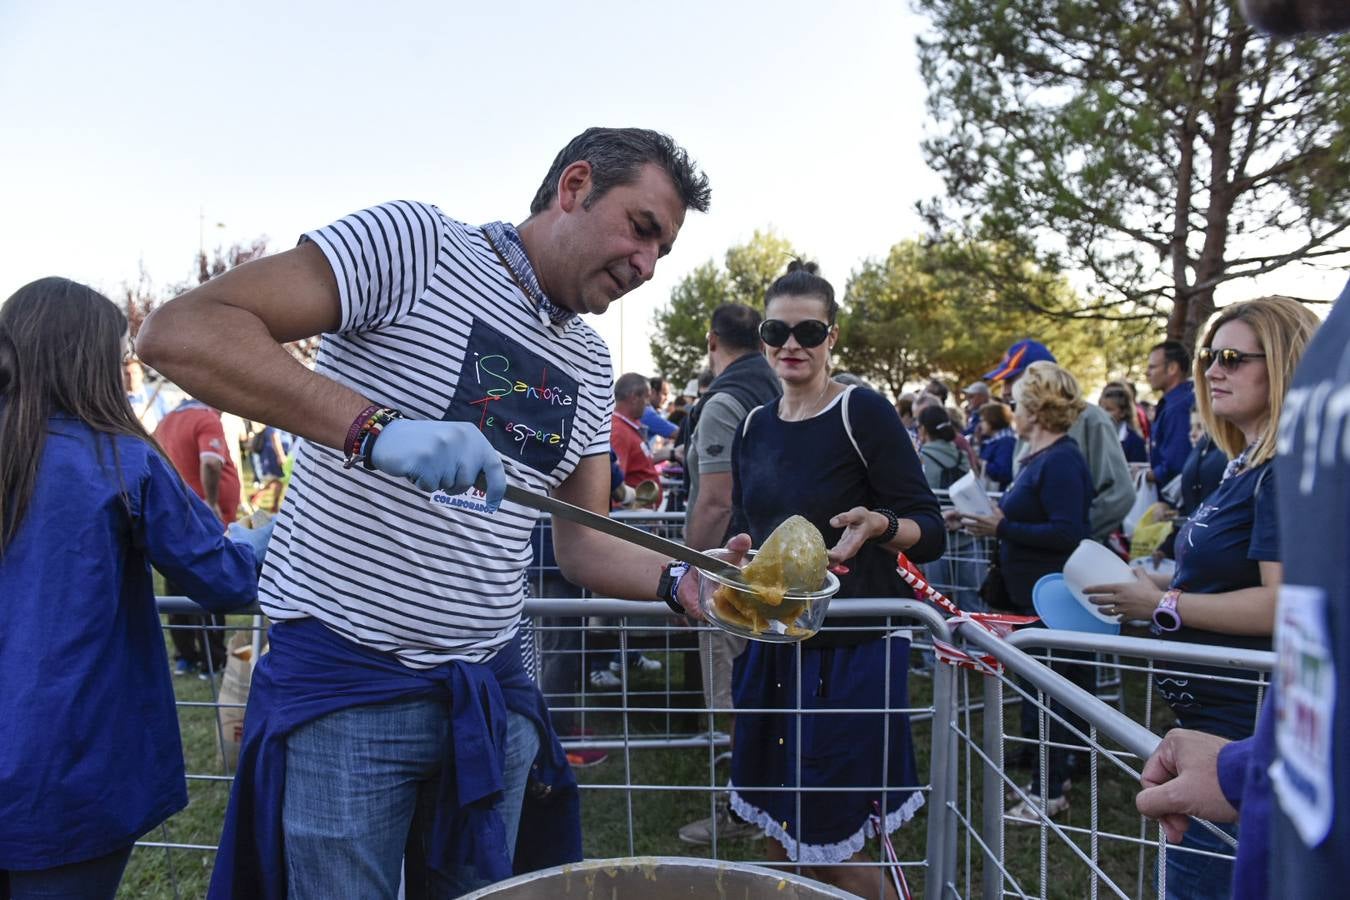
[(808, 607)]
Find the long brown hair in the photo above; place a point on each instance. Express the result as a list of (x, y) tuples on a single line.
[(61, 346)]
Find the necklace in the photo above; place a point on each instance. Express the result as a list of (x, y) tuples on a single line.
[(798, 414), (1238, 464)]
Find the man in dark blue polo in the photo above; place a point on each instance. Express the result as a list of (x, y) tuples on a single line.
[(1169, 441)]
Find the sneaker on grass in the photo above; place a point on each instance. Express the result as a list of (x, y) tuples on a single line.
[(182, 667), (1012, 796), (640, 663), (605, 680), (728, 826), (1028, 812)]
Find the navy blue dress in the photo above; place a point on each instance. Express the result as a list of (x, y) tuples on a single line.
[(818, 468)]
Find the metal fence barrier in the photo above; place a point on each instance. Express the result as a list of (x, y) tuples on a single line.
[(650, 722), (1113, 739)]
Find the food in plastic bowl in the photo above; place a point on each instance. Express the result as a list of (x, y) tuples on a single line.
[(762, 615)]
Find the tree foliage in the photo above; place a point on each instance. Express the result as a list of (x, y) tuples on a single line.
[(950, 308), (679, 344), (140, 298), (1162, 146)]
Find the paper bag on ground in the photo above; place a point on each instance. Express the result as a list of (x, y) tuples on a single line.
[(234, 685)]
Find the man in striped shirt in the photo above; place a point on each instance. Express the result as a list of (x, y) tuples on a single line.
[(450, 352)]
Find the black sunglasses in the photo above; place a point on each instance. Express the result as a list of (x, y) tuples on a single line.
[(808, 332), (1227, 357)]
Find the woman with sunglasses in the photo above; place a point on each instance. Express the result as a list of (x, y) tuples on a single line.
[(839, 456), (91, 757), (1228, 563)]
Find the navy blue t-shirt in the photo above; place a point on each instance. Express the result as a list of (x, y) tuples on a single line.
[(1045, 517), (1201, 474), (1314, 497), (997, 453), (825, 465), (1220, 549), (1135, 448)]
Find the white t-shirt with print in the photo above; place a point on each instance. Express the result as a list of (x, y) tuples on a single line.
[(432, 325)]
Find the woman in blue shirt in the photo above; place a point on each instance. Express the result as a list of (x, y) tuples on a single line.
[(1228, 557), (839, 456), (1118, 403), (997, 442), (91, 758), (1040, 521)]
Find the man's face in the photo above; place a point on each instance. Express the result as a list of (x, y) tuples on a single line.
[(1157, 371), (604, 252), (132, 376), (634, 406)]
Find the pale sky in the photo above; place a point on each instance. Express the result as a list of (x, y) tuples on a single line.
[(125, 126)]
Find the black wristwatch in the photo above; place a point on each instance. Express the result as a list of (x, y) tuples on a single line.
[(892, 527), (668, 588)]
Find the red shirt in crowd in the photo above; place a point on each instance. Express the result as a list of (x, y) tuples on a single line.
[(625, 436), (189, 433)]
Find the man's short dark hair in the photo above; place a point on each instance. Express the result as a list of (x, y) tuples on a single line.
[(937, 389), (630, 383), (657, 382), (1174, 352), (617, 155), (737, 326)]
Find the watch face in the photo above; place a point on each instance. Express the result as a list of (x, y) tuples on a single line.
[(1166, 619)]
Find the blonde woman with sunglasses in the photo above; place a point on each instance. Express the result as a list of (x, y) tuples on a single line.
[(1228, 560)]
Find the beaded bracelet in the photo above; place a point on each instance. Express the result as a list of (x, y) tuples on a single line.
[(367, 431), (353, 442), (892, 527), (378, 423)]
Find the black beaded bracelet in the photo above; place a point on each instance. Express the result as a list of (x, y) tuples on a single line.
[(892, 527)]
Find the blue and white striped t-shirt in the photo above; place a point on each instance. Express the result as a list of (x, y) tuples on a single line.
[(432, 325)]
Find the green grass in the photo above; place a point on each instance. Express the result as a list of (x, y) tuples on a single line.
[(657, 815)]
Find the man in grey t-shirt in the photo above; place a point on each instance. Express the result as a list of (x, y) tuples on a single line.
[(743, 380)]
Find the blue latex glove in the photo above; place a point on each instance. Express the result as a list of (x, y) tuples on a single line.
[(440, 456), (257, 538)]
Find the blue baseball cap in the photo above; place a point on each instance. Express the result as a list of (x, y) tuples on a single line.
[(1019, 356)]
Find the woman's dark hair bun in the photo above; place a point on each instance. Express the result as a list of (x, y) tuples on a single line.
[(801, 265)]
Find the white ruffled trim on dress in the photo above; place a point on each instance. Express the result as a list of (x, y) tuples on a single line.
[(823, 854)]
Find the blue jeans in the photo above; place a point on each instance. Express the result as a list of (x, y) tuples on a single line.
[(1194, 877), (361, 795), (92, 879)]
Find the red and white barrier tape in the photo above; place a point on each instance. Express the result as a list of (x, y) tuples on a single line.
[(888, 850), (1000, 624)]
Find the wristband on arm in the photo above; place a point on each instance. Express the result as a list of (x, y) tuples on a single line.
[(668, 588), (362, 435), (892, 527)]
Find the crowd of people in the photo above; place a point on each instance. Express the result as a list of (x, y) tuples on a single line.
[(394, 738)]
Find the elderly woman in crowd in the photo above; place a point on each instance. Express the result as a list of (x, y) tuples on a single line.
[(1228, 554), (1039, 522)]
